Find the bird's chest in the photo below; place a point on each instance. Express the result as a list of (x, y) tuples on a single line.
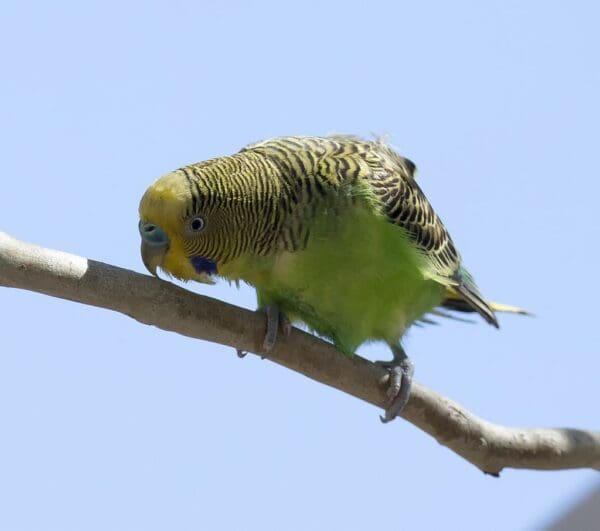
[(353, 282)]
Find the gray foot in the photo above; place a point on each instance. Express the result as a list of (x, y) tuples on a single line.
[(276, 319), (401, 376)]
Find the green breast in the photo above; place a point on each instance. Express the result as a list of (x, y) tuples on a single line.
[(358, 279)]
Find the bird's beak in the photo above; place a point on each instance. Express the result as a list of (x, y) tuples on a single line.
[(155, 244)]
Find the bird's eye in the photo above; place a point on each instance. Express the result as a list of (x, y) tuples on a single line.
[(196, 224)]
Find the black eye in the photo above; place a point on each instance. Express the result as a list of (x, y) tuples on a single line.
[(197, 224)]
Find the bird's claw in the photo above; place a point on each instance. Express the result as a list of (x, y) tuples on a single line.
[(276, 319), (401, 371), (285, 324)]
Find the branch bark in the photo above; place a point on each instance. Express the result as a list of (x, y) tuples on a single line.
[(152, 301)]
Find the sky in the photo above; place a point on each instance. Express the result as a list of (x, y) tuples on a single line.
[(108, 424)]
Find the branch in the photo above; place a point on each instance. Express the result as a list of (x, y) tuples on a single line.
[(152, 301)]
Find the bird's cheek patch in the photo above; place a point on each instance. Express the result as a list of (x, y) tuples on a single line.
[(203, 265)]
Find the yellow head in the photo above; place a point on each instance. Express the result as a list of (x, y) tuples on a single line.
[(197, 219)]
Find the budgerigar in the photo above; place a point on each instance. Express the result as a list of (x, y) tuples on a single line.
[(333, 232)]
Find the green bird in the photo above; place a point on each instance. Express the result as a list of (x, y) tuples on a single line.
[(332, 232)]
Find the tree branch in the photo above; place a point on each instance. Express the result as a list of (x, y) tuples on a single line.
[(155, 302)]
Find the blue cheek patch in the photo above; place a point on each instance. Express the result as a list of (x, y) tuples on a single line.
[(203, 265)]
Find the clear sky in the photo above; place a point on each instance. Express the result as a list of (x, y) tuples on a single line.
[(107, 424)]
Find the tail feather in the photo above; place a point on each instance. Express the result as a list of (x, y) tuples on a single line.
[(468, 301), (464, 296), (477, 303), (507, 308)]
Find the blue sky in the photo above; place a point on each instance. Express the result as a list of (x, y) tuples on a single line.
[(109, 424)]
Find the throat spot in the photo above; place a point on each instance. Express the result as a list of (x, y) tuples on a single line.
[(203, 265)]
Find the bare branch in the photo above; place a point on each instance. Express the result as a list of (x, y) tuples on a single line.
[(152, 301)]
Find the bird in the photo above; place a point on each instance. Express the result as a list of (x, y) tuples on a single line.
[(334, 233)]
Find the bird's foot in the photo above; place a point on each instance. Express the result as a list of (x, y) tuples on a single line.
[(401, 371), (276, 320)]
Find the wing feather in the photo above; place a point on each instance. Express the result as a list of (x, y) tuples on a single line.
[(314, 165), (405, 205)]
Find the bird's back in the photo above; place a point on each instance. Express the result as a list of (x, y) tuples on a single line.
[(346, 171)]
